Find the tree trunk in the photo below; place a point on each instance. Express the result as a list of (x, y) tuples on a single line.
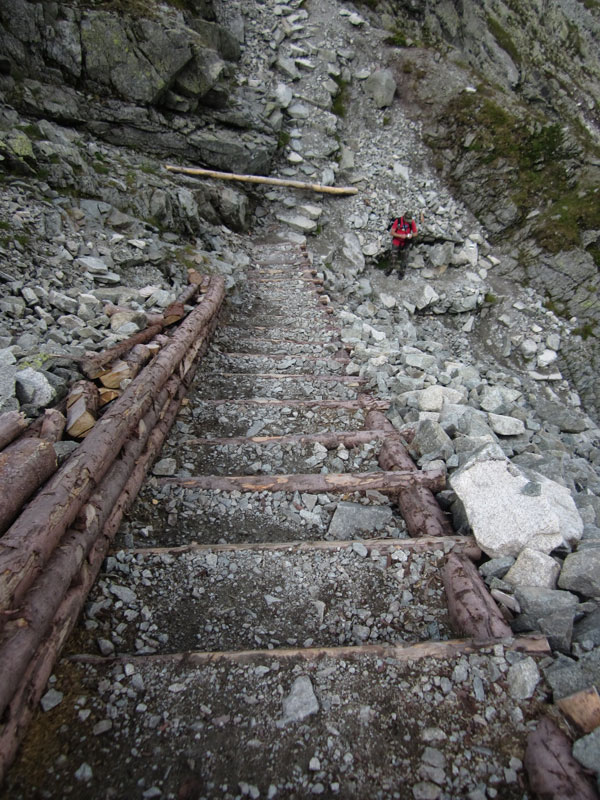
[(552, 771), (53, 425), (24, 466), (418, 506), (26, 547), (12, 423), (93, 366), (472, 611)]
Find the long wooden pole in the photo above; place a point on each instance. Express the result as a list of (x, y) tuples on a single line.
[(232, 176)]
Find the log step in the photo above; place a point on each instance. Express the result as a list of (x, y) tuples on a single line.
[(211, 724), (227, 387), (243, 599)]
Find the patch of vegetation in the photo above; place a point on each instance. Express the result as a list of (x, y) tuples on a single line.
[(570, 212), (591, 5), (490, 298), (503, 39), (101, 169), (557, 308), (283, 139), (586, 330), (338, 106), (396, 38)]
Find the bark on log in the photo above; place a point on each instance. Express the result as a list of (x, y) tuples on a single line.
[(24, 466), (231, 176), (92, 547), (53, 425), (28, 544), (82, 409), (552, 771), (471, 609), (418, 506), (12, 423), (313, 483)]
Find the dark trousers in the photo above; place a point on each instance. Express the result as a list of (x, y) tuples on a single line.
[(399, 257)]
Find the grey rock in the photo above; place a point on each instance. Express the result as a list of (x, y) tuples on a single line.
[(523, 678), (505, 517), (496, 567), (381, 87), (581, 572), (506, 426), (588, 628), (566, 676), (430, 439), (533, 568), (51, 699), (537, 603), (34, 387), (587, 751), (300, 703), (558, 628), (166, 467), (124, 594), (352, 519), (498, 399)]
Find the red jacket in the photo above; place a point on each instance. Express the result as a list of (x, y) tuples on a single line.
[(401, 225)]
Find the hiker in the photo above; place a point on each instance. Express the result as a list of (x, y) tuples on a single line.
[(403, 234)]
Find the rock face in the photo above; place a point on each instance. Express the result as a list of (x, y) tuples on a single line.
[(537, 513)]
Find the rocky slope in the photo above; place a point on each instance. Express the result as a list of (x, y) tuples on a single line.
[(94, 97)]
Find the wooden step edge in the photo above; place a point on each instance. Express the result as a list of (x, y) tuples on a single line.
[(315, 483), (284, 356), (533, 644), (466, 545)]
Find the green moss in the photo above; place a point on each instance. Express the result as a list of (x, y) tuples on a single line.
[(397, 38), (339, 101), (283, 139), (490, 298), (586, 330), (101, 169)]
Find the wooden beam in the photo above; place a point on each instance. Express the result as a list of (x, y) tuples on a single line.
[(232, 176), (533, 644), (12, 423), (313, 483), (582, 709), (462, 544)]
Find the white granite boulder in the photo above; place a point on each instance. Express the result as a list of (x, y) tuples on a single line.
[(508, 510)]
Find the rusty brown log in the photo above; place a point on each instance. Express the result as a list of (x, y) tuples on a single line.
[(12, 424), (418, 506), (329, 439), (94, 365), (35, 676), (552, 771), (472, 610), (24, 466), (24, 634), (313, 483), (53, 425), (82, 409), (27, 545)]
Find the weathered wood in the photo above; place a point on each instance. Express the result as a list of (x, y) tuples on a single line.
[(552, 771), (312, 483), (534, 645), (94, 365), (12, 423), (26, 547), (24, 466), (126, 368), (582, 709), (349, 405), (418, 506), (53, 425), (329, 439), (82, 409), (106, 395), (232, 176), (471, 609), (465, 545)]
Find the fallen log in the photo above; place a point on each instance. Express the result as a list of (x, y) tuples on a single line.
[(94, 365), (232, 176), (552, 771), (126, 368), (24, 466), (106, 395), (471, 609), (313, 483), (12, 423), (82, 409), (418, 506), (27, 545), (35, 676)]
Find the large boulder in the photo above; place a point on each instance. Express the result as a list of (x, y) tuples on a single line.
[(381, 87), (508, 509)]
